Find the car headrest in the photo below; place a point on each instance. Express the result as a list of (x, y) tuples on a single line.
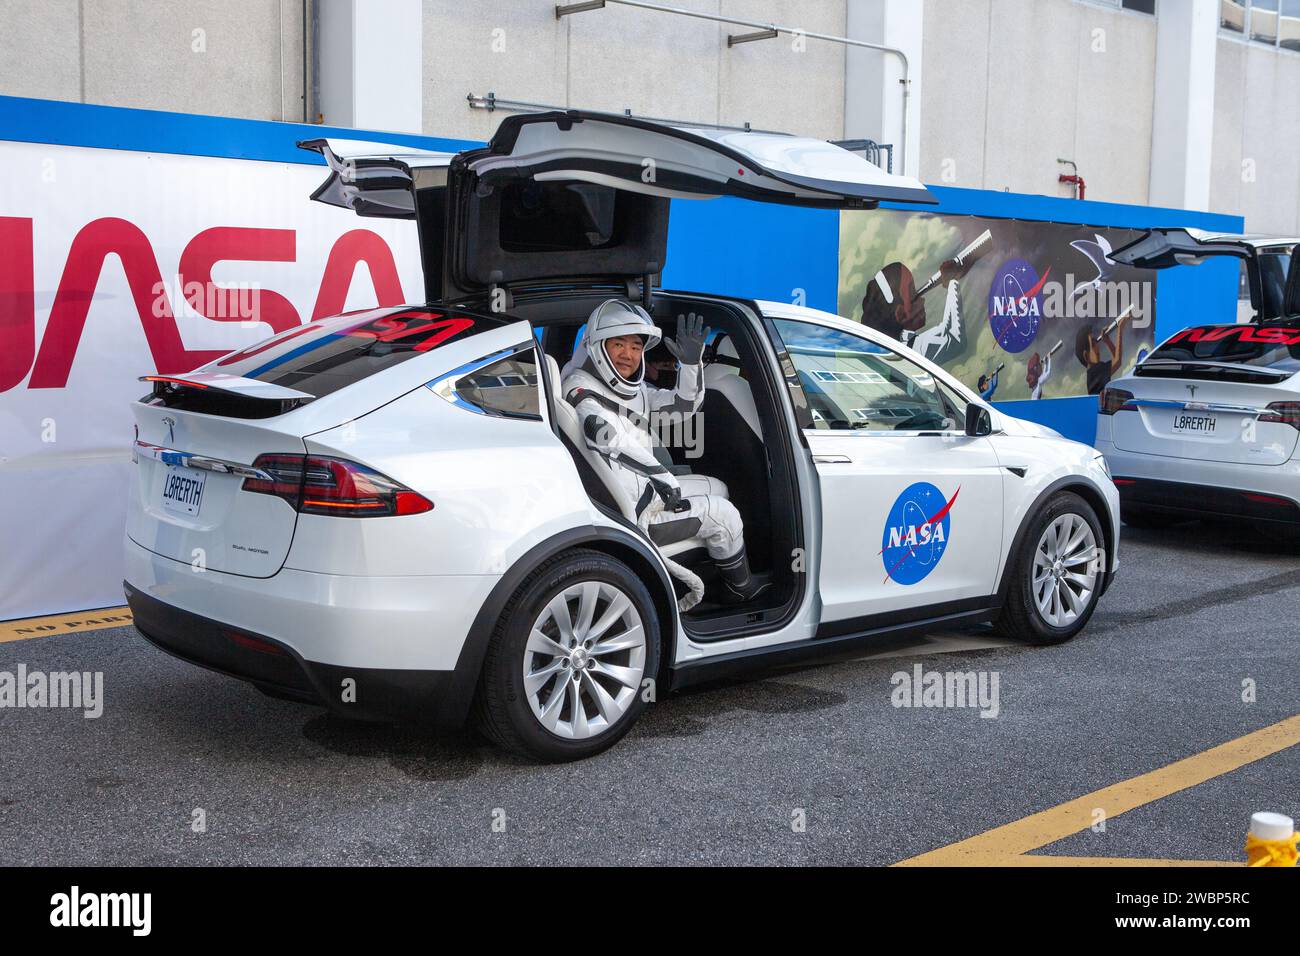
[(552, 373), (722, 352), (566, 416)]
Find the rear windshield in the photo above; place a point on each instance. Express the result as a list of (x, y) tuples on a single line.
[(324, 356), (1263, 347)]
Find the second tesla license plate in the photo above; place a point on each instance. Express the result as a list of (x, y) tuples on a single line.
[(183, 490), (1194, 423)]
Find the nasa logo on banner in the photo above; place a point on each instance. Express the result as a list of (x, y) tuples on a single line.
[(1016, 304)]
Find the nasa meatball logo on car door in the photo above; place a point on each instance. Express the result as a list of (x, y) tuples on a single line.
[(917, 531)]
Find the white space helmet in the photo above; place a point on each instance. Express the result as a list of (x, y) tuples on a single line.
[(610, 319)]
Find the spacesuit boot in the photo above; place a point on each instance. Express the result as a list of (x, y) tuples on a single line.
[(738, 584)]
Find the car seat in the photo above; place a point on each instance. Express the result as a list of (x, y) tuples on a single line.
[(722, 377), (732, 449)]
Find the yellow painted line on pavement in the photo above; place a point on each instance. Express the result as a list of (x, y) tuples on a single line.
[(1007, 845), (25, 628)]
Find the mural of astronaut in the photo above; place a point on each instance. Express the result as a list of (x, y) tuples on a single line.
[(1039, 370), (894, 305), (1014, 292)]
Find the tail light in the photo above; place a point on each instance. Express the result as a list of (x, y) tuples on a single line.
[(316, 485), (1284, 413), (1268, 499), (255, 644), (1115, 400)]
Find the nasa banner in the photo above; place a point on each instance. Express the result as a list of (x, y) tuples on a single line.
[(1015, 309), (118, 264)]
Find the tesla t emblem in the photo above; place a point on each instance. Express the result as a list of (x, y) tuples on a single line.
[(171, 429), (1192, 389)]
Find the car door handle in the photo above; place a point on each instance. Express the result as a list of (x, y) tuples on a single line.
[(832, 460)]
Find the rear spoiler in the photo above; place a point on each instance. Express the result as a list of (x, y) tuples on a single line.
[(221, 382), (216, 393)]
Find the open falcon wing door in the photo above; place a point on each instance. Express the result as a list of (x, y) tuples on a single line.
[(687, 162), (581, 199), (1271, 268), (1163, 248), (392, 182)]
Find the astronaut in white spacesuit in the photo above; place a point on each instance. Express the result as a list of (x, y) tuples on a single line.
[(939, 342), (604, 382)]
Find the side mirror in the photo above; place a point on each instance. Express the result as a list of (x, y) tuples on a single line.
[(978, 421)]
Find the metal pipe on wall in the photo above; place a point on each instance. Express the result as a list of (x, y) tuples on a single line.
[(306, 92), (314, 114), (769, 30)]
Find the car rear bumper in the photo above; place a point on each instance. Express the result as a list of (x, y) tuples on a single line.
[(1203, 501), (299, 634), (405, 622), (1205, 489), (373, 694)]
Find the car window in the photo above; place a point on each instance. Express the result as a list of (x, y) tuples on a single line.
[(329, 354), (1245, 308), (1270, 345), (1273, 265), (558, 217), (852, 382), (507, 387)]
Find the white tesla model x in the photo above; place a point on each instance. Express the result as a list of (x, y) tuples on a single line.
[(1206, 425), (394, 513)]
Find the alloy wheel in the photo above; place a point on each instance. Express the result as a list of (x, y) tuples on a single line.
[(584, 660), (1065, 569)]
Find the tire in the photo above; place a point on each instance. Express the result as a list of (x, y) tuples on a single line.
[(1023, 618), (525, 716), (1154, 520)]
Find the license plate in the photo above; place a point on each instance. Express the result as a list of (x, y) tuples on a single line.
[(183, 490), (1194, 423)]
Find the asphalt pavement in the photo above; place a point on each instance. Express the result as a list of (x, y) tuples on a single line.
[(812, 765)]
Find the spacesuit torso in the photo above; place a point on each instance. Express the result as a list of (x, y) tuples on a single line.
[(621, 428)]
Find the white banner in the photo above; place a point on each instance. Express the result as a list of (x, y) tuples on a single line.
[(117, 264)]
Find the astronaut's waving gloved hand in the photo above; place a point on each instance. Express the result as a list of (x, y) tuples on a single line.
[(691, 336)]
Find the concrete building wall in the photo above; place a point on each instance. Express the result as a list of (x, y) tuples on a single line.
[(1013, 85), (40, 49), (1256, 154), (1009, 86), (220, 57), (618, 58)]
